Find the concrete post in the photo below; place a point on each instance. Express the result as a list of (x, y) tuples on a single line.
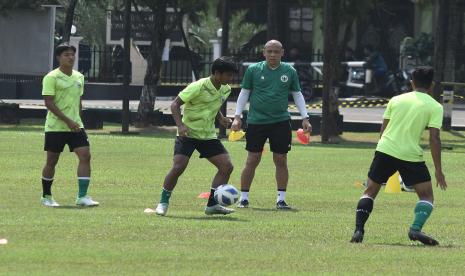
[(74, 41), (447, 103), (216, 48)]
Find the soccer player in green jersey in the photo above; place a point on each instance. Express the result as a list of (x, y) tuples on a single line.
[(62, 89), (398, 149), (196, 131), (268, 84)]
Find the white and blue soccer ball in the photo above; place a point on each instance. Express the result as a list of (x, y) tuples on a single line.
[(226, 194)]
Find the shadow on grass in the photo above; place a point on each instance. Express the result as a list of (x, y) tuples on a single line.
[(206, 218), (419, 245), (273, 210), (74, 207), (342, 143)]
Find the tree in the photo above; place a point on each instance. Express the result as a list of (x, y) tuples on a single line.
[(89, 19), (71, 6), (445, 42), (158, 30), (330, 63), (240, 31), (272, 20)]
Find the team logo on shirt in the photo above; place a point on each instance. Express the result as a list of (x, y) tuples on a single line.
[(78, 84), (284, 78)]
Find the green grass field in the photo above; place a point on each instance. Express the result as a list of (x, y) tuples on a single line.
[(119, 238)]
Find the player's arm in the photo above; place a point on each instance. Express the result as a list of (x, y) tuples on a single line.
[(50, 104), (435, 145), (224, 121), (80, 107), (240, 105), (301, 106), (176, 112), (383, 127)]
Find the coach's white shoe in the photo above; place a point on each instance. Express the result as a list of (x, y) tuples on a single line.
[(49, 201), (162, 209), (86, 201)]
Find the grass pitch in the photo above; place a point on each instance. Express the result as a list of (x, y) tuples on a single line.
[(118, 238)]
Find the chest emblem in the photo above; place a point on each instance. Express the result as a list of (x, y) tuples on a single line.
[(78, 84), (284, 78), (262, 77)]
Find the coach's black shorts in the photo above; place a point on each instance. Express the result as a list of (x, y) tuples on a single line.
[(384, 165), (206, 148), (279, 135), (56, 141)]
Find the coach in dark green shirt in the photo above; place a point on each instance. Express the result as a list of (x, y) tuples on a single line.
[(268, 84)]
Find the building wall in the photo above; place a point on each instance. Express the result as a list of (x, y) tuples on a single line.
[(26, 42)]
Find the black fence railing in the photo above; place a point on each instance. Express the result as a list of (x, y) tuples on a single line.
[(101, 63), (105, 64)]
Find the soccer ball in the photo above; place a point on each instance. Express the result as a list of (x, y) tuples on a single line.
[(404, 187), (226, 194)]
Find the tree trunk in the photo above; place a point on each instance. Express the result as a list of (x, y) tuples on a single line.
[(440, 44), (453, 35), (152, 75), (68, 21), (272, 20), (330, 63)]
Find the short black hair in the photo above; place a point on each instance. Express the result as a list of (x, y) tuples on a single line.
[(224, 64), (423, 76), (63, 47)]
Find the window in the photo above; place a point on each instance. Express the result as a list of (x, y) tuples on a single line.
[(300, 24)]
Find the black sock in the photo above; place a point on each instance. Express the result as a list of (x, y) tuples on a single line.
[(47, 186), (364, 208), (211, 198)]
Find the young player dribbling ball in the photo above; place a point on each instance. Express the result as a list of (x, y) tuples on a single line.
[(196, 131)]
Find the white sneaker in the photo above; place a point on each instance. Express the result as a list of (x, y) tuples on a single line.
[(86, 201), (218, 210), (49, 201), (162, 209)]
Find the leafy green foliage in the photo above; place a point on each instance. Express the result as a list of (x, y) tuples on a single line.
[(240, 31)]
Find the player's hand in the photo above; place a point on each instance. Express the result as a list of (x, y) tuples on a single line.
[(183, 130), (73, 126), (225, 121), (441, 180), (237, 124), (306, 126)]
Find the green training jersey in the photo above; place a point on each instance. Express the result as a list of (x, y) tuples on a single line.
[(270, 90), (409, 114), (202, 103), (66, 91)]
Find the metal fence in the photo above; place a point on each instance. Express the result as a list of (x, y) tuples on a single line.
[(105, 64)]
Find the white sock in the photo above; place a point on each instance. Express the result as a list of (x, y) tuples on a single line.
[(244, 196), (281, 196)]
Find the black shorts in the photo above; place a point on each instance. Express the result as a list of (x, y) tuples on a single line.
[(279, 135), (56, 141), (384, 165), (206, 148)]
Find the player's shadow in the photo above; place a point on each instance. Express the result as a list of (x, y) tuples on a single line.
[(416, 245), (293, 210), (74, 207), (212, 218)]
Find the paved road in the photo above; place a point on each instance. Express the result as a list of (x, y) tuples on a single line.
[(362, 115)]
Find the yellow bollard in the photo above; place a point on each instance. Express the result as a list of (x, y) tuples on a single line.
[(393, 184)]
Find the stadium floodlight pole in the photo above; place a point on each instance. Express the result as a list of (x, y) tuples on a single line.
[(126, 64), (224, 52)]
